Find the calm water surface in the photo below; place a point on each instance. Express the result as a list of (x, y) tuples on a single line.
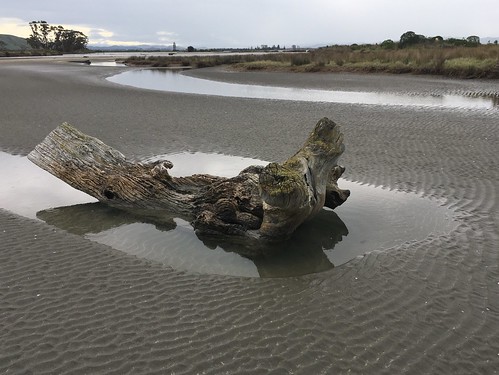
[(372, 219), (175, 81), (106, 63)]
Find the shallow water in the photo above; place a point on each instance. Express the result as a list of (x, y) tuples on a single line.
[(106, 63), (372, 219), (175, 81)]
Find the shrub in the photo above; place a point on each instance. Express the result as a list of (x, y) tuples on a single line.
[(388, 44), (262, 65), (300, 60)]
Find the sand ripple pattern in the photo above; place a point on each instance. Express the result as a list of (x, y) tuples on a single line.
[(69, 305), (88, 308)]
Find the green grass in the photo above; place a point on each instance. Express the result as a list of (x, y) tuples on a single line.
[(470, 67)]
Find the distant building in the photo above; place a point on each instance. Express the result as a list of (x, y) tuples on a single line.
[(174, 48)]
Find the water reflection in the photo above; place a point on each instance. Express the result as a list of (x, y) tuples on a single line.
[(301, 254), (171, 241), (106, 63), (372, 219), (175, 81)]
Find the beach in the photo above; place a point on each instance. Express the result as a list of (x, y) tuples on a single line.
[(70, 305)]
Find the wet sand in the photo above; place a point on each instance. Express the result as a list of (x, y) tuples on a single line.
[(431, 306)]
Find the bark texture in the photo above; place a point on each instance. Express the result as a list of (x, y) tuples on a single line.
[(266, 203)]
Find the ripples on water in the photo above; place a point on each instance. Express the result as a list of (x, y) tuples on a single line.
[(372, 219), (175, 81)]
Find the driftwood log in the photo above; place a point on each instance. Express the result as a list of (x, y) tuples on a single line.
[(264, 203)]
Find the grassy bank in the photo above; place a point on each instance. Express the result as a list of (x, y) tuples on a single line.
[(463, 62), (28, 53)]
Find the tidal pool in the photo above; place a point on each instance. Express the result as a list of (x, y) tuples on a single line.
[(175, 81), (373, 218)]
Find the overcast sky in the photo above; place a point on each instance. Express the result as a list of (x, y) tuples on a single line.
[(250, 23)]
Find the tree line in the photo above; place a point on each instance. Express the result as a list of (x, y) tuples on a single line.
[(56, 38), (411, 39)]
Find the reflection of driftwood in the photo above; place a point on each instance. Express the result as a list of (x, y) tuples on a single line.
[(302, 253), (97, 217), (261, 202)]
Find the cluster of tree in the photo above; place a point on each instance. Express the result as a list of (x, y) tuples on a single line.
[(410, 38), (56, 38)]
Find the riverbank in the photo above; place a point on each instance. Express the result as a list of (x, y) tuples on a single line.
[(457, 62), (429, 306)]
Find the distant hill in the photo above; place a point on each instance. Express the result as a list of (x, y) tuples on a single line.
[(13, 43)]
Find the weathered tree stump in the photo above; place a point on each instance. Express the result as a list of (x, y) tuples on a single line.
[(266, 203)]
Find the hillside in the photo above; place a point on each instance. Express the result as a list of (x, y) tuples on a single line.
[(13, 43)]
